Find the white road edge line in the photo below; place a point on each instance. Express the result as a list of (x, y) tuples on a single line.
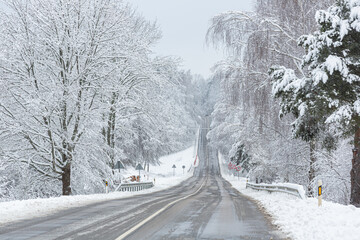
[(143, 222)]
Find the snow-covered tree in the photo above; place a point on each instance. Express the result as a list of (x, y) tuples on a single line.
[(81, 90), (53, 61), (126, 85), (331, 92), (307, 125), (239, 157), (255, 41)]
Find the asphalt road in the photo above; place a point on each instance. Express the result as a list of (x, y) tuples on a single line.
[(206, 207)]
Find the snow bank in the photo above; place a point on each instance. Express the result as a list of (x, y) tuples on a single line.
[(303, 219), (163, 174), (24, 209)]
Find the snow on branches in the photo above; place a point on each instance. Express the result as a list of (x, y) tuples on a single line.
[(81, 90), (331, 88)]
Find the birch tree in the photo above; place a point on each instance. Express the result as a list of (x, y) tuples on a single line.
[(256, 40), (332, 59)]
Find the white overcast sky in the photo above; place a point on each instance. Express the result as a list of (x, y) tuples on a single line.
[(184, 24)]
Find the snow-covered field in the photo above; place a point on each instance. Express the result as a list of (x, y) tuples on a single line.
[(303, 219), (163, 174)]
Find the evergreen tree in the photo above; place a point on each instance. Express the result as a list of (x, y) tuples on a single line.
[(294, 100), (239, 157), (331, 93)]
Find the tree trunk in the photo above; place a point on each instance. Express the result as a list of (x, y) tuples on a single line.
[(355, 171), (110, 136), (310, 191), (65, 178)]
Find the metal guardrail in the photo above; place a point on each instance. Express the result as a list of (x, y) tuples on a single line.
[(276, 188), (132, 187)]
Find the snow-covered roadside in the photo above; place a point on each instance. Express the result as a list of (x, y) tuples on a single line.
[(303, 219), (163, 174)]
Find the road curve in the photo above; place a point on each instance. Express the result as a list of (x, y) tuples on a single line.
[(202, 207)]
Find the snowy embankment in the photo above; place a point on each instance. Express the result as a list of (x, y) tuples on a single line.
[(303, 219), (163, 174)]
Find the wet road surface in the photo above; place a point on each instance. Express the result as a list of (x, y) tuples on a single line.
[(215, 211)]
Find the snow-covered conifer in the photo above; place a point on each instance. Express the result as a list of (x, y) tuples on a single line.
[(331, 91)]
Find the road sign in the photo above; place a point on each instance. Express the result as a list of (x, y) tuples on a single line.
[(119, 165), (139, 167)]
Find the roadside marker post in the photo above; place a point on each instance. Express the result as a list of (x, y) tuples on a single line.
[(106, 187), (319, 193), (238, 169), (183, 167), (174, 169)]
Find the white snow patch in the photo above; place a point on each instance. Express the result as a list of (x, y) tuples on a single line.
[(354, 3), (283, 85), (26, 209), (302, 108), (355, 13), (319, 76), (334, 63), (343, 113), (355, 17), (344, 28), (303, 219), (357, 106)]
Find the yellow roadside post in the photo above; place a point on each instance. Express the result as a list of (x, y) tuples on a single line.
[(319, 193)]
